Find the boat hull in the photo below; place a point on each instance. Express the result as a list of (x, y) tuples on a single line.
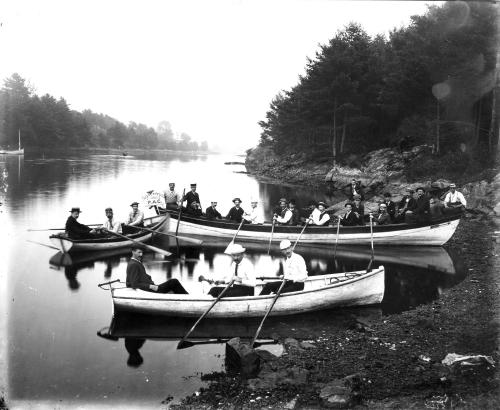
[(435, 234), (320, 292), (12, 152), (65, 244)]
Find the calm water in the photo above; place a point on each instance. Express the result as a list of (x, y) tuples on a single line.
[(52, 309)]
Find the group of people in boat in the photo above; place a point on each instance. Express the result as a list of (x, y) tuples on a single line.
[(240, 273)]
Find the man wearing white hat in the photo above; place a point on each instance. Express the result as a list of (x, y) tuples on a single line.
[(241, 270), (294, 272), (253, 216), (454, 201)]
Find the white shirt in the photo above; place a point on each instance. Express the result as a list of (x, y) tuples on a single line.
[(286, 218), (172, 197), (318, 218), (456, 196), (253, 217), (245, 272), (135, 219), (295, 268), (113, 225)]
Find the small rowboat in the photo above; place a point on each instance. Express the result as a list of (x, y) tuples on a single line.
[(320, 292), (65, 244), (437, 232)]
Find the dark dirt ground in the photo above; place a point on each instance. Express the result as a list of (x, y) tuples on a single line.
[(464, 320)]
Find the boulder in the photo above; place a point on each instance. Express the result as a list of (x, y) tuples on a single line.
[(336, 395), (241, 358)]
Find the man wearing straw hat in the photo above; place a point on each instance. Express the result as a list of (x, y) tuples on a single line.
[(294, 272), (241, 270)]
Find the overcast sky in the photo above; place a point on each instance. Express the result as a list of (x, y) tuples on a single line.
[(211, 68)]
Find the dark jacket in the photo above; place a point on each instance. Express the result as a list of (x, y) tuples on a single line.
[(194, 211), (235, 214), (76, 230), (383, 219), (360, 210), (391, 209), (349, 220), (190, 198), (411, 206), (280, 211), (295, 219), (137, 278), (359, 191), (212, 213), (423, 208)]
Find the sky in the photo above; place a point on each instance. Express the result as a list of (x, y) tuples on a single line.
[(210, 68)]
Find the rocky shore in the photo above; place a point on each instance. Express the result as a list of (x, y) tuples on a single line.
[(395, 361)]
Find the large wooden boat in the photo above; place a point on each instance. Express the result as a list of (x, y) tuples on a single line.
[(436, 232), (320, 292), (65, 244)]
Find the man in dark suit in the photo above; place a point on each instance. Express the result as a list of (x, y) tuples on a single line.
[(359, 209), (391, 206), (76, 230), (235, 214), (423, 208), (137, 278), (191, 196), (349, 218), (355, 189), (211, 212), (406, 207)]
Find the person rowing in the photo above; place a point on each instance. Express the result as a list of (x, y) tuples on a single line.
[(319, 215), (236, 213), (110, 224), (137, 278), (294, 271), (241, 270), (135, 217), (76, 230)]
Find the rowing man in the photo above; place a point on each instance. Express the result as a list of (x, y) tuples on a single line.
[(136, 217), (294, 272)]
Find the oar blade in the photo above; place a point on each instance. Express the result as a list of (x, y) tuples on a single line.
[(184, 344), (158, 250)]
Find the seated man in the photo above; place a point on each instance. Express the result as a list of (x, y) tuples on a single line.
[(110, 224), (281, 209), (391, 206), (136, 217), (295, 219), (284, 217), (241, 270), (319, 215), (406, 206), (235, 214), (76, 230), (436, 207), (137, 278), (194, 209), (305, 213), (294, 272), (349, 218), (211, 212), (254, 217), (359, 209), (454, 201), (383, 217)]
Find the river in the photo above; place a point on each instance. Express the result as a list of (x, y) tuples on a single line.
[(52, 309)]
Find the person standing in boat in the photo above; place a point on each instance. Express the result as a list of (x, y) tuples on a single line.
[(319, 215), (241, 270), (76, 230), (110, 224), (294, 272), (211, 212), (137, 278), (253, 217), (191, 196), (135, 217), (422, 210), (454, 201), (172, 197), (235, 214)]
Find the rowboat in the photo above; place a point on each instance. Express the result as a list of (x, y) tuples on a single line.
[(65, 244), (435, 233), (320, 292)]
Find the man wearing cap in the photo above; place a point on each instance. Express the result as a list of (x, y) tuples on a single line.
[(319, 215), (76, 230), (191, 196), (235, 214), (213, 213), (172, 197), (253, 216), (110, 224), (294, 272), (454, 201), (136, 217), (382, 217), (241, 270), (137, 278)]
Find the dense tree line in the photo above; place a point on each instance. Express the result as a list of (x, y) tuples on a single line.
[(45, 122), (432, 82)]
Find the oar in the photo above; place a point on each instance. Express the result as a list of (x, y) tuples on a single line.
[(271, 237), (182, 238), (54, 229), (278, 292), (337, 238), (371, 236), (43, 244), (151, 248), (235, 235), (185, 343), (180, 212)]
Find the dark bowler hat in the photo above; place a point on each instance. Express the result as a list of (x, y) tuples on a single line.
[(108, 209), (321, 203), (237, 199), (193, 185), (347, 203), (134, 203), (75, 210), (422, 188)]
